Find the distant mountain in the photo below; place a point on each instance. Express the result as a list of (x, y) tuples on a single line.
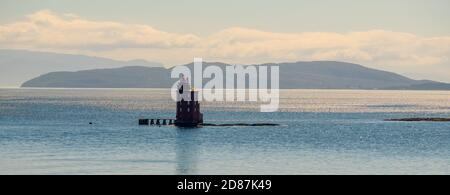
[(126, 77), (298, 75), (18, 66), (430, 85), (339, 75)]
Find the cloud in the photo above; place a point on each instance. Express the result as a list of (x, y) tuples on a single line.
[(45, 29), (69, 33), (376, 46)]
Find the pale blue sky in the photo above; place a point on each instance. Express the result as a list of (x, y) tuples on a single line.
[(202, 17)]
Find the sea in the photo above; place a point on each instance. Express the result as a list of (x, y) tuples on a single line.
[(96, 131)]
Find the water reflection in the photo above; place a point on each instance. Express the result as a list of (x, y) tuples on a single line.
[(186, 149)]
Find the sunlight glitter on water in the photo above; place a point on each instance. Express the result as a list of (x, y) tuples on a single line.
[(290, 100)]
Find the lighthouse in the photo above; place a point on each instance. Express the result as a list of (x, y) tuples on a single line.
[(188, 108)]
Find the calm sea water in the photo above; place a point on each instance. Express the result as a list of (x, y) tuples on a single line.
[(47, 131)]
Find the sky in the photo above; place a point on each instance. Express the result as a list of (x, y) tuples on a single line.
[(411, 37)]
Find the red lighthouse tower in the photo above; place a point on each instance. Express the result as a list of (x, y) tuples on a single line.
[(188, 108), (188, 112)]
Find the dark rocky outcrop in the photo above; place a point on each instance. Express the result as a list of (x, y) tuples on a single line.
[(421, 119)]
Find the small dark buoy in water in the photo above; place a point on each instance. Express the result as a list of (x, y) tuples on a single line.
[(90, 123)]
